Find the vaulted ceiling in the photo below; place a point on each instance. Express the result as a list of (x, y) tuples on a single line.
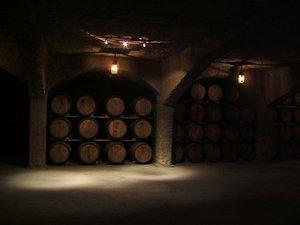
[(272, 28)]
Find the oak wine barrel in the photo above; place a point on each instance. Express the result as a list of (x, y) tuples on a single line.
[(61, 104), (115, 106), (195, 132), (88, 128), (248, 114), (297, 114), (285, 132), (179, 153), (230, 152), (297, 98), (60, 128), (246, 151), (88, 152), (179, 133), (142, 107), (214, 92), (284, 151), (198, 91), (194, 153), (214, 112), (141, 129), (86, 105), (231, 133), (213, 132), (296, 132), (286, 115), (288, 101), (231, 94), (197, 112), (212, 152), (247, 133), (141, 152), (179, 112), (116, 128), (115, 152), (232, 113), (60, 152)]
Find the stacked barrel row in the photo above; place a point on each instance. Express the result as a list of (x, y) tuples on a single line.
[(211, 124), (287, 127), (91, 135)]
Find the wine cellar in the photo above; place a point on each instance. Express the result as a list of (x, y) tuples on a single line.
[(286, 120), (150, 112), (212, 124), (105, 120)]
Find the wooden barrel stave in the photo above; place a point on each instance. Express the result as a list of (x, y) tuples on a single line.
[(197, 112), (142, 107), (195, 132), (141, 152), (86, 105), (61, 104), (88, 152), (141, 129), (194, 153), (213, 132), (88, 128), (60, 152), (115, 106), (116, 128), (198, 91), (214, 93), (231, 133), (60, 128), (115, 152)]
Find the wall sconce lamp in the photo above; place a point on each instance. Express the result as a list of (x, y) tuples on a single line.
[(114, 69), (241, 76)]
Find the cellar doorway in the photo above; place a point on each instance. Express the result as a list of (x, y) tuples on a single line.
[(96, 119), (15, 120)]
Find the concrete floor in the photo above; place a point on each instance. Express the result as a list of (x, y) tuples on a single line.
[(208, 194)]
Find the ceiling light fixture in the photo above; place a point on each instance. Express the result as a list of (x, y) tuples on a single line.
[(125, 44)]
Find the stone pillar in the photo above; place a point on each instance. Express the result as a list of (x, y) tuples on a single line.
[(37, 129), (164, 134)]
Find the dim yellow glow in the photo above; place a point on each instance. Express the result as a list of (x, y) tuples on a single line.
[(241, 78), (114, 69)]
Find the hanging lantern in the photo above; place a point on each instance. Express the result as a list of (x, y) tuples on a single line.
[(114, 66)]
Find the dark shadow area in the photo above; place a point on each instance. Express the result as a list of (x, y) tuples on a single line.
[(15, 120)]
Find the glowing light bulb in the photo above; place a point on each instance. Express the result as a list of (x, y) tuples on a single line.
[(106, 42), (125, 44), (144, 45), (241, 78), (114, 69)]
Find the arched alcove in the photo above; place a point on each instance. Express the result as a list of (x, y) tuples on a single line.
[(100, 87), (14, 120)]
